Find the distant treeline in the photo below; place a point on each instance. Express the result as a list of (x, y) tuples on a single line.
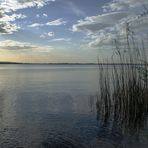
[(70, 63)]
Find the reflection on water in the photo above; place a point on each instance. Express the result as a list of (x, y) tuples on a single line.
[(55, 107), (126, 123)]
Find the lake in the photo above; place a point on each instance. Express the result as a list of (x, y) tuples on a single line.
[(54, 106)]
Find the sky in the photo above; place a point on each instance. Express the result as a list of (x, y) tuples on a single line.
[(67, 31)]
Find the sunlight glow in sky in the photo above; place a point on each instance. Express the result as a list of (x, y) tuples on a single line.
[(66, 30)]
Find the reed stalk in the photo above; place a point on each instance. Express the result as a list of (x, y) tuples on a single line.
[(123, 91)]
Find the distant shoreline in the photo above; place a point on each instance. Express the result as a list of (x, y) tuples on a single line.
[(49, 63), (68, 63)]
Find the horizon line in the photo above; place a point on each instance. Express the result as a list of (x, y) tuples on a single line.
[(76, 63)]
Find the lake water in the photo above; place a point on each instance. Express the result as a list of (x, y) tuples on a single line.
[(44, 106)]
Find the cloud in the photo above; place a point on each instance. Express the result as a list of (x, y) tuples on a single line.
[(102, 30), (102, 41), (45, 35), (51, 34), (96, 23), (13, 5), (57, 22), (22, 46), (61, 39), (37, 15), (11, 18), (139, 25), (117, 5), (41, 15), (7, 25), (8, 28), (105, 39), (36, 25), (6, 6), (45, 15)]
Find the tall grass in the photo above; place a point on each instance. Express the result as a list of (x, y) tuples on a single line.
[(123, 88)]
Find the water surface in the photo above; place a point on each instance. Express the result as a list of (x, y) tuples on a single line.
[(44, 106)]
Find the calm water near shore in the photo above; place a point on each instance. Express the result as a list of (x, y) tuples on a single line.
[(51, 106)]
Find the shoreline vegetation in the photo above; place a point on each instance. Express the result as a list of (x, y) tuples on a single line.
[(122, 97)]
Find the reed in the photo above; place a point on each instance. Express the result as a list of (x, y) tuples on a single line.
[(123, 89)]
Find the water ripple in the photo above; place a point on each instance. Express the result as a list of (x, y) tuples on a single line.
[(63, 140)]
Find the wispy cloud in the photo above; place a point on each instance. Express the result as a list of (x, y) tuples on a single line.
[(45, 35), (13, 5), (23, 46), (117, 5), (41, 15), (45, 15), (37, 15), (75, 9), (61, 39), (36, 25), (57, 22)]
